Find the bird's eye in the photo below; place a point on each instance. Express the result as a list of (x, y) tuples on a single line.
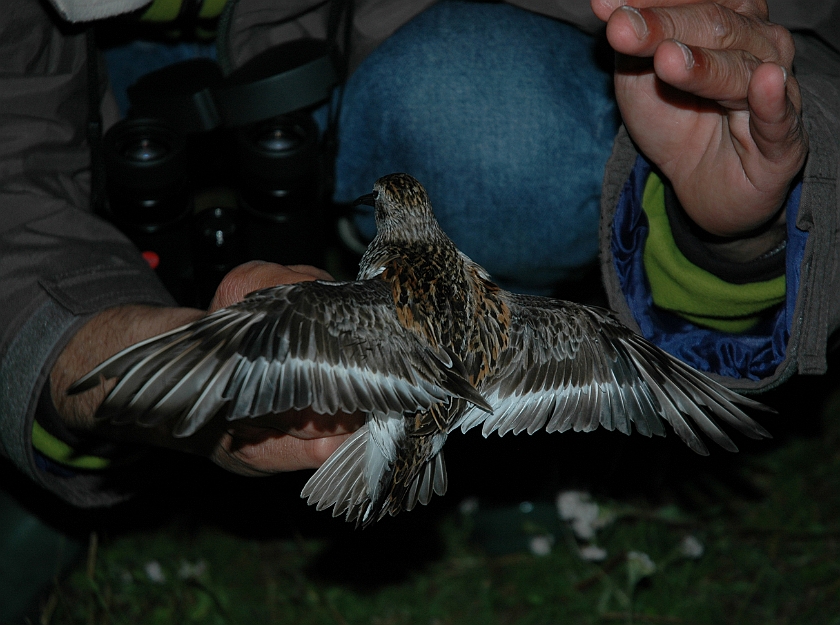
[(375, 194)]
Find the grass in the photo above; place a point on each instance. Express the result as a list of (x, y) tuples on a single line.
[(206, 547)]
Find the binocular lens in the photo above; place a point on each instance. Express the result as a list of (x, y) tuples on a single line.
[(158, 182), (144, 150), (280, 138)]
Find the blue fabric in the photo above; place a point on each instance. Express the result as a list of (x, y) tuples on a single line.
[(51, 466), (504, 115), (754, 355), (128, 62), (506, 119)]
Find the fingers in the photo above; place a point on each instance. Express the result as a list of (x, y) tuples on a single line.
[(640, 31), (289, 442), (723, 76), (309, 270), (706, 49), (775, 124), (255, 275), (305, 424), (275, 454), (706, 91), (260, 446), (739, 81), (603, 9), (702, 48)]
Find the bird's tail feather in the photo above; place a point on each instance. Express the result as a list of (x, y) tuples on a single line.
[(357, 481), (340, 481)]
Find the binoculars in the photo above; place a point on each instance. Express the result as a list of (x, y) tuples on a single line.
[(207, 172)]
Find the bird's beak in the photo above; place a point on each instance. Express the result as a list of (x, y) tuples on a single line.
[(367, 199)]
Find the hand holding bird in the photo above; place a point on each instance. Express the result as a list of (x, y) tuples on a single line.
[(262, 446), (423, 343)]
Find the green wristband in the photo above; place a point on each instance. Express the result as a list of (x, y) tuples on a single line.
[(681, 287), (61, 452)]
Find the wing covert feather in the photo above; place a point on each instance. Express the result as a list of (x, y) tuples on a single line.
[(335, 346), (569, 366)]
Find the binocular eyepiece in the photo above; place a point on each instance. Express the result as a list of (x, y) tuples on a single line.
[(198, 195)]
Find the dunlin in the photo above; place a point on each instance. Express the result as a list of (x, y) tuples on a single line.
[(424, 343)]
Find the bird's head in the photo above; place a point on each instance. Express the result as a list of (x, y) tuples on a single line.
[(401, 206)]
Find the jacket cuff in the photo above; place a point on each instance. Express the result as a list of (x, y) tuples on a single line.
[(684, 286), (65, 450), (24, 374), (745, 360), (700, 248)]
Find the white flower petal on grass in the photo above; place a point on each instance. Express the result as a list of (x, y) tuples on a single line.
[(585, 516), (642, 562), (639, 566), (468, 506), (592, 553), (691, 547), (154, 571), (571, 504), (584, 527), (541, 545), (189, 570)]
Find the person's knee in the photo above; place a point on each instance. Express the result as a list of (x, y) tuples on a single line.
[(506, 120)]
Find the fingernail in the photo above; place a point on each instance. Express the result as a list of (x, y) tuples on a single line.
[(784, 75), (638, 21), (687, 55), (612, 5)]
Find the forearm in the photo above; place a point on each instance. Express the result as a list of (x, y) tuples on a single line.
[(100, 338), (257, 446), (59, 265)]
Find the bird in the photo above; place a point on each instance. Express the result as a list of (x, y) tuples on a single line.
[(424, 343)]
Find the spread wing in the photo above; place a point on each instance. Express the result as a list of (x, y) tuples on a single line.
[(569, 366), (332, 346)]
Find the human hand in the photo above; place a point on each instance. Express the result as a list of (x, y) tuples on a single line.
[(261, 446), (273, 443), (707, 93)]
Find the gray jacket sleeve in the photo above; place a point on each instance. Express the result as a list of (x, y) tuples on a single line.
[(817, 309), (59, 264), (259, 24)]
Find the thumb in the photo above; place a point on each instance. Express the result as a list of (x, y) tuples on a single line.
[(255, 275), (775, 124)]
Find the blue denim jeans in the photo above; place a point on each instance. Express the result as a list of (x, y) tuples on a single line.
[(503, 115), (507, 120), (129, 62)]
